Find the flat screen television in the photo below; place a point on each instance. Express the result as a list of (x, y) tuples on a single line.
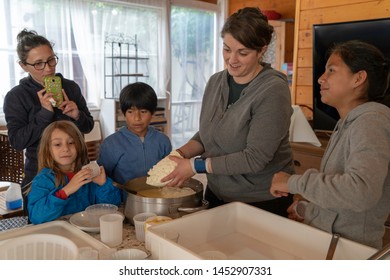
[(375, 32)]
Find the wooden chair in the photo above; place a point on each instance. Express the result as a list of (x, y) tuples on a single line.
[(11, 161), (11, 170), (93, 141)]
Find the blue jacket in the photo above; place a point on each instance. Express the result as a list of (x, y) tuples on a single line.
[(124, 156), (44, 206)]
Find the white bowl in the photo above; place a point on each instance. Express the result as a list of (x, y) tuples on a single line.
[(129, 254), (95, 211)]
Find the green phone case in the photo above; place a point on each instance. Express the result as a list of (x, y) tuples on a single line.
[(53, 85)]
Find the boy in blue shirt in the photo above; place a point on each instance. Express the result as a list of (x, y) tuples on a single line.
[(135, 148)]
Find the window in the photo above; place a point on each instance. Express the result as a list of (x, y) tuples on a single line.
[(78, 30), (194, 56)]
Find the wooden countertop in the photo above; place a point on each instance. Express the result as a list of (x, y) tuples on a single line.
[(309, 148), (129, 239)]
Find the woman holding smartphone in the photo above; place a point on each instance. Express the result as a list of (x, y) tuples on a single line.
[(28, 106)]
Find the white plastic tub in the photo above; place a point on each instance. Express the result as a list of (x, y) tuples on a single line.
[(62, 229), (39, 247), (241, 231)]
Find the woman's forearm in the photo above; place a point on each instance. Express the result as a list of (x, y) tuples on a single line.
[(191, 148)]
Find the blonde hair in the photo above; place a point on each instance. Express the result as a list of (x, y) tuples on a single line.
[(45, 158)]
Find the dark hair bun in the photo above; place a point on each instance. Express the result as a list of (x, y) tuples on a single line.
[(25, 33)]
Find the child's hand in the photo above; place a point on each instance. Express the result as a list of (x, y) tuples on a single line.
[(101, 179), (79, 179)]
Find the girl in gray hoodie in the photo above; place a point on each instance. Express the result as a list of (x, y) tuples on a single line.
[(350, 194)]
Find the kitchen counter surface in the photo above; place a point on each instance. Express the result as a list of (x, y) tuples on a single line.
[(129, 239)]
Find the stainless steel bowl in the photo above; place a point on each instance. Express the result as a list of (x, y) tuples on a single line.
[(171, 207)]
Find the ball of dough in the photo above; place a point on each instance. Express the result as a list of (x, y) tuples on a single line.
[(162, 169)]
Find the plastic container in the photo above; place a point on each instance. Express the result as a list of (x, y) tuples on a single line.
[(139, 224), (94, 168), (13, 197), (129, 254), (156, 221), (243, 232), (153, 221), (95, 211), (39, 247), (111, 229)]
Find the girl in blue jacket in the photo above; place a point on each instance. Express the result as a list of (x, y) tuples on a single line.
[(62, 187)]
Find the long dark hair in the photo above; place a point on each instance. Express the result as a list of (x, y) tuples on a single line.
[(358, 56)]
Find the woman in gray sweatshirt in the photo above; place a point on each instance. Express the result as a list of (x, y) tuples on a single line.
[(350, 194), (243, 136)]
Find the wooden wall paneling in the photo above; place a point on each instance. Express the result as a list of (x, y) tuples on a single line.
[(305, 38), (304, 76), (280, 46), (284, 42), (305, 58), (368, 10), (309, 12), (285, 7), (304, 95), (295, 55), (316, 4), (289, 42)]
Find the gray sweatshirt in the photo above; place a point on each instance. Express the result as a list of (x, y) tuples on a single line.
[(248, 142), (350, 195)]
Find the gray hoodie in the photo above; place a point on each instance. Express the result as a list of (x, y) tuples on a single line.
[(351, 193), (248, 142)]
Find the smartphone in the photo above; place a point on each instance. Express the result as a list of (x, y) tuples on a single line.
[(54, 86)]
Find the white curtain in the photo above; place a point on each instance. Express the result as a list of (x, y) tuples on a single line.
[(78, 29), (90, 48), (47, 19), (117, 17)]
